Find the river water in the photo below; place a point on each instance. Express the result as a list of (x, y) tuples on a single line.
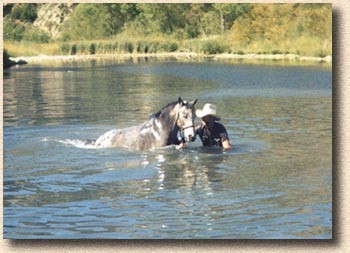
[(276, 181)]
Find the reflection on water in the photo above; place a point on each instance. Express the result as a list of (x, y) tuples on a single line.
[(274, 183)]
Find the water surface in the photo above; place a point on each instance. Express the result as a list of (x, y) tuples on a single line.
[(276, 181)]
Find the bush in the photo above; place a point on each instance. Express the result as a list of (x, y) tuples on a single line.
[(81, 48), (212, 47), (130, 47), (92, 49), (24, 12), (276, 51), (153, 47), (73, 50), (321, 53), (34, 34), (65, 49), (169, 46), (13, 31), (141, 47)]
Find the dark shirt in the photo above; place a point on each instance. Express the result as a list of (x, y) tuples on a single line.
[(215, 137)]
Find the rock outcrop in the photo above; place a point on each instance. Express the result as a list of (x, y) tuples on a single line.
[(52, 16)]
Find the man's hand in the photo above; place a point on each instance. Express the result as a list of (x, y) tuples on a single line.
[(181, 145)]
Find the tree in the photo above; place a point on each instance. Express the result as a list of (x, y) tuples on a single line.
[(164, 18), (93, 21), (276, 22), (194, 24), (24, 12), (229, 13)]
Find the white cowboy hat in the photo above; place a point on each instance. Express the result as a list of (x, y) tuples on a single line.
[(208, 109)]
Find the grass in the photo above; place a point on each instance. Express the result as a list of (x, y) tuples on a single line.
[(25, 48), (303, 46)]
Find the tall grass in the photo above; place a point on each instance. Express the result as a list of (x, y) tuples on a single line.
[(304, 46), (25, 48)]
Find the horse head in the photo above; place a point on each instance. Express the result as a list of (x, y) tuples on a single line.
[(185, 119)]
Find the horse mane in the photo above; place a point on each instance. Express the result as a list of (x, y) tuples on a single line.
[(169, 106)]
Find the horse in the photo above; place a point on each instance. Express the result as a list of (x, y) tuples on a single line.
[(169, 126)]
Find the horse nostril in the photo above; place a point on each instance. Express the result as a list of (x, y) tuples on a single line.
[(191, 137)]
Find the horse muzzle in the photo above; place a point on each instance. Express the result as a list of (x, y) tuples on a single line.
[(191, 138)]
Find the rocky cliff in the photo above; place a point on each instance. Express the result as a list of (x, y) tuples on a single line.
[(51, 17)]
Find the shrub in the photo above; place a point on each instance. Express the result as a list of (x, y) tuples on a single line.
[(34, 34), (92, 49), (169, 46), (146, 49), (65, 49), (13, 31), (130, 47), (24, 12), (321, 53), (173, 47), (153, 47), (73, 49), (276, 51), (81, 48), (141, 47), (212, 47)]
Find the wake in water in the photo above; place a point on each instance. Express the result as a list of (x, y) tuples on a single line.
[(104, 141), (240, 146), (72, 142)]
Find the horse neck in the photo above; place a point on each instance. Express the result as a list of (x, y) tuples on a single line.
[(169, 126)]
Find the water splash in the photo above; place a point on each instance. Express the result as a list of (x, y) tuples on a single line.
[(72, 142)]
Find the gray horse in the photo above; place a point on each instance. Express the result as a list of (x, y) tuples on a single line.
[(172, 124)]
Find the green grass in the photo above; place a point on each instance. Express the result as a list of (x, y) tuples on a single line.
[(303, 46), (122, 44)]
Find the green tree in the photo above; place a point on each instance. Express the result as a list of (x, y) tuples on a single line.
[(194, 25), (164, 18), (93, 21), (13, 30), (275, 22), (24, 12), (229, 13)]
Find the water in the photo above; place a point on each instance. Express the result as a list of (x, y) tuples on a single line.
[(276, 181)]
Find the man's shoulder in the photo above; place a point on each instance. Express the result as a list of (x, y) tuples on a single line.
[(219, 127)]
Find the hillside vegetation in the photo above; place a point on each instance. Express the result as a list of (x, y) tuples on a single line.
[(303, 29)]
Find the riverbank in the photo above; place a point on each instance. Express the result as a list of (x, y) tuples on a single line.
[(181, 56)]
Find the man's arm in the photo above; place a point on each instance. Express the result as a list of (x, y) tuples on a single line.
[(225, 141), (226, 144)]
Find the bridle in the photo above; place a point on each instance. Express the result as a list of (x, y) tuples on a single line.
[(182, 129)]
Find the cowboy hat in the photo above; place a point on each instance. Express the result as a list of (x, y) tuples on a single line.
[(208, 109)]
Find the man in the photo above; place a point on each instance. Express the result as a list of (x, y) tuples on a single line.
[(211, 132)]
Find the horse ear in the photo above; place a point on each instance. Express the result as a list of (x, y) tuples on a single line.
[(180, 101), (194, 101)]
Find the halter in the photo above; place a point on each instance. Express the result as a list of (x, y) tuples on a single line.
[(180, 134), (183, 128)]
